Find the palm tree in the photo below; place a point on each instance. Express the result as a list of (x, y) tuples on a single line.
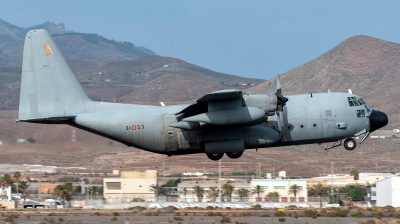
[(354, 173), (243, 193), (17, 175), (199, 191), (213, 193), (155, 189), (64, 191), (184, 191), (318, 190), (228, 190), (23, 185), (6, 179), (258, 189), (295, 189), (273, 194)]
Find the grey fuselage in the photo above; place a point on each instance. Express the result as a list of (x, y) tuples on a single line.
[(221, 122), (322, 117)]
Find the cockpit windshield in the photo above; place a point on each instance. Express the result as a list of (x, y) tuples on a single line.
[(354, 101)]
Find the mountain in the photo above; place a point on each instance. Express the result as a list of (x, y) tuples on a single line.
[(78, 46), (368, 66), (8, 29), (147, 80)]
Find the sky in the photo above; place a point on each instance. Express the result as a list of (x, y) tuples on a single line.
[(255, 39)]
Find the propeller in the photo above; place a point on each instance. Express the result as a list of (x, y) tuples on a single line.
[(281, 102), (276, 101)]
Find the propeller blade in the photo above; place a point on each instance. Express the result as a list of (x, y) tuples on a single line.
[(281, 123), (281, 102)]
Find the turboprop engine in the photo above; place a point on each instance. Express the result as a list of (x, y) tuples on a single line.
[(240, 116)]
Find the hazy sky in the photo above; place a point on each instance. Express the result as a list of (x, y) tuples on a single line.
[(248, 38)]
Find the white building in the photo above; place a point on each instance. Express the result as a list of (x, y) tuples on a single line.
[(374, 177), (387, 192), (131, 185)]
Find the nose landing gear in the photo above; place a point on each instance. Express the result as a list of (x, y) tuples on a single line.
[(350, 144)]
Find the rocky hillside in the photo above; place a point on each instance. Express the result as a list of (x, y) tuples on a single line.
[(78, 46), (368, 66)]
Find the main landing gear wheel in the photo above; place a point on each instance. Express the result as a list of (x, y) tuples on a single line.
[(216, 156), (234, 155), (350, 144)]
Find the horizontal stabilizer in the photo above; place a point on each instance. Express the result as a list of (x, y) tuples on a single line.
[(47, 120)]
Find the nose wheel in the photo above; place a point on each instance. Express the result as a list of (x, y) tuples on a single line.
[(350, 144)]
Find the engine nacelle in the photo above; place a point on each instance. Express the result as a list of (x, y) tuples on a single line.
[(268, 102), (244, 116)]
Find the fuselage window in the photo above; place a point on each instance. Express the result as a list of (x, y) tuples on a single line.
[(360, 113)]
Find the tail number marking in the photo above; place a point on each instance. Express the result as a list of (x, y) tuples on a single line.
[(134, 127)]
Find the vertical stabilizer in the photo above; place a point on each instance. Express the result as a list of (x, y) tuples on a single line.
[(48, 86)]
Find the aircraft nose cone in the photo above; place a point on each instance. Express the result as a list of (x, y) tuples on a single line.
[(377, 119)]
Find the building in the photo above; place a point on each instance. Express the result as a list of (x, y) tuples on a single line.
[(281, 186), (46, 188), (131, 186), (341, 180), (374, 177), (386, 192)]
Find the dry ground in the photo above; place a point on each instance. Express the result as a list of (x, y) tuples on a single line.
[(170, 215)]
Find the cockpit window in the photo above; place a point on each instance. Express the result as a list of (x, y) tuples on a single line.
[(354, 101), (360, 113)]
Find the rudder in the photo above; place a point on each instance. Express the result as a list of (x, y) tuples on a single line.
[(48, 86)]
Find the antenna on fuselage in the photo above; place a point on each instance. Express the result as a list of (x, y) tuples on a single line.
[(329, 90), (350, 91)]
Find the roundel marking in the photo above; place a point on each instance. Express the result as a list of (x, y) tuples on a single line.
[(133, 127)]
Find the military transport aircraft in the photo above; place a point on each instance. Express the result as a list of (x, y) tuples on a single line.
[(222, 122)]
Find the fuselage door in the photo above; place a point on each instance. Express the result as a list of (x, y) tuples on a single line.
[(171, 139), (328, 123)]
